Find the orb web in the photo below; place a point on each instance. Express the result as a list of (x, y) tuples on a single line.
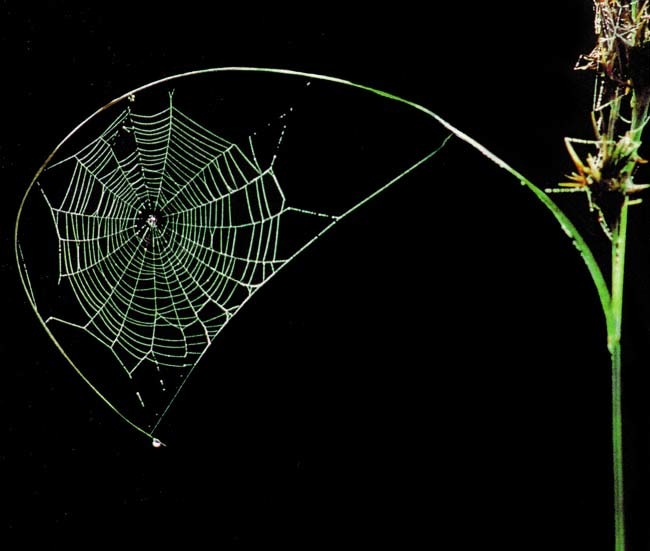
[(164, 230)]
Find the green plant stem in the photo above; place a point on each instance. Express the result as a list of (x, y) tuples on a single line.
[(617, 443), (614, 345)]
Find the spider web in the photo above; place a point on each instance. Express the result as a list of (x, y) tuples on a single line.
[(164, 230)]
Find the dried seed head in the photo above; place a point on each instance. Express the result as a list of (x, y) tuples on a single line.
[(621, 55)]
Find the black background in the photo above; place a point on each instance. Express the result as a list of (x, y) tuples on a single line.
[(457, 399)]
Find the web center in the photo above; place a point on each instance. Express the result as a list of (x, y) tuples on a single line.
[(150, 220)]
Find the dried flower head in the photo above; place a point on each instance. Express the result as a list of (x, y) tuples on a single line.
[(621, 61), (622, 38)]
